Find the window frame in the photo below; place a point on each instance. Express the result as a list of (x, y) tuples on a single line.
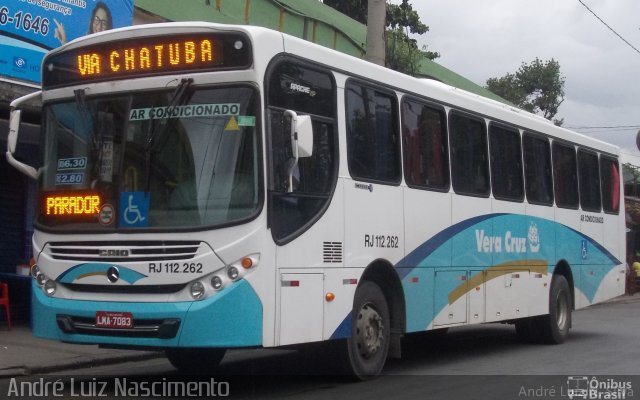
[(331, 120), (517, 131), (568, 145), (396, 125), (536, 136), (447, 167), (616, 161), (452, 164), (590, 152)]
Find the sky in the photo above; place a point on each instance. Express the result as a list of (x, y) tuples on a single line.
[(480, 39)]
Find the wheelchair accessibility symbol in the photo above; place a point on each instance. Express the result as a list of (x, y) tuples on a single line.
[(134, 209)]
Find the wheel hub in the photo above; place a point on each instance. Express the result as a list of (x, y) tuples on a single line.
[(369, 331)]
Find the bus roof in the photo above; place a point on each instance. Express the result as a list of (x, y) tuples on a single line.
[(433, 90)]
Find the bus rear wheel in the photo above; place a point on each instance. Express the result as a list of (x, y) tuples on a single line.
[(195, 360), (368, 345), (556, 328)]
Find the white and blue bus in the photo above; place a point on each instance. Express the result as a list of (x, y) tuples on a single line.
[(206, 187)]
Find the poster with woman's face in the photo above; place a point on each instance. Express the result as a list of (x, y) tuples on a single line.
[(28, 28)]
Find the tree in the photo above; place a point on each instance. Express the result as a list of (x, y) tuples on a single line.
[(402, 52), (376, 14), (537, 87)]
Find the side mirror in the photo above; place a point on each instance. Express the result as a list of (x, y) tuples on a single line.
[(14, 127), (304, 129), (301, 132), (12, 139)]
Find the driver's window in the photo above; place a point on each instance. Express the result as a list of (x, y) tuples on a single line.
[(307, 92)]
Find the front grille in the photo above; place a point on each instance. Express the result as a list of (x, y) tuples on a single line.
[(125, 289), (137, 250), (142, 328)]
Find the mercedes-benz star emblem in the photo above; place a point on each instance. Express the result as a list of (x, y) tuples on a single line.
[(113, 274)]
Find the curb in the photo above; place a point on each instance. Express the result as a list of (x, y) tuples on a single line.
[(22, 371)]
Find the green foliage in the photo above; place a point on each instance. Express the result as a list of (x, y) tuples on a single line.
[(537, 87), (356, 9), (404, 16), (402, 52)]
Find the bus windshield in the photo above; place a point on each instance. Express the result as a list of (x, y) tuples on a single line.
[(151, 160)]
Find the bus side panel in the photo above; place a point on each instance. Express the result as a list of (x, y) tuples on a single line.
[(611, 241), (318, 249), (426, 214), (374, 223)]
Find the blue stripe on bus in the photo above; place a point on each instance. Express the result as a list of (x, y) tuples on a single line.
[(85, 270), (456, 249)]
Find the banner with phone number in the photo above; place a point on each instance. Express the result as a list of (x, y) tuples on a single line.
[(28, 28)]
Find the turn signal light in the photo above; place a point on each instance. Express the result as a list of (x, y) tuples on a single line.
[(247, 263)]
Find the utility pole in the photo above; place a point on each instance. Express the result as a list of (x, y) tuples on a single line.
[(376, 16)]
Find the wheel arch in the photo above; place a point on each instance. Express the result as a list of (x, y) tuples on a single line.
[(382, 273), (563, 268)]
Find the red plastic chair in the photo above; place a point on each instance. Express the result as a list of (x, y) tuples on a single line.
[(4, 301)]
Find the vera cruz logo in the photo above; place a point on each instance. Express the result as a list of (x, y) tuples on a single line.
[(509, 243)]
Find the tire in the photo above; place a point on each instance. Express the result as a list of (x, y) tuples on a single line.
[(195, 360), (552, 328), (368, 346)]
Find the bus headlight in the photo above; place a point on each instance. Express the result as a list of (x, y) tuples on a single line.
[(41, 278), (233, 273), (35, 270), (50, 287), (216, 282), (197, 290)]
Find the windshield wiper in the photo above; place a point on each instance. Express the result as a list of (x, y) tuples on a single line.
[(179, 97)]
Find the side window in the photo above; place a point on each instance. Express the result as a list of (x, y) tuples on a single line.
[(506, 163), (314, 177), (537, 169), (424, 138), (589, 175), (373, 143), (610, 177), (469, 160), (565, 175)]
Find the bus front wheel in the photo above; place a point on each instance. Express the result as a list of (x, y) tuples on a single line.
[(195, 360), (368, 345)]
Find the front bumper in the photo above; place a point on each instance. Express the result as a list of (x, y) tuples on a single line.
[(230, 318)]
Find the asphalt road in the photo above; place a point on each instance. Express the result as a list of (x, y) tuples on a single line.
[(482, 362)]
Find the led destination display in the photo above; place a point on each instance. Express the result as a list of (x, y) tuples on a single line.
[(147, 56)]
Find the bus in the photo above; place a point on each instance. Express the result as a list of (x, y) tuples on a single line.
[(206, 187)]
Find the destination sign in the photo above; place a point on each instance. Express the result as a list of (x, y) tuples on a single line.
[(147, 56), (61, 205)]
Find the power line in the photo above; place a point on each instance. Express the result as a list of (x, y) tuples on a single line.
[(610, 28), (604, 127)]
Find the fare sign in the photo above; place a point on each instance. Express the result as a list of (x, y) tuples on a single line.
[(146, 56)]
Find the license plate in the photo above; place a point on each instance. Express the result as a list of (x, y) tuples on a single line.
[(116, 320)]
